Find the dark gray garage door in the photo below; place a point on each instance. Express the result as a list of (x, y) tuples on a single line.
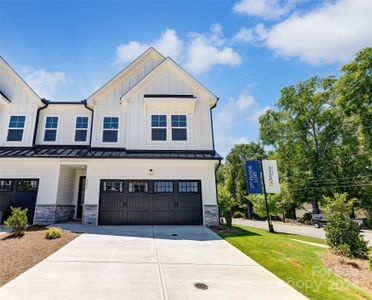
[(18, 193), (150, 202)]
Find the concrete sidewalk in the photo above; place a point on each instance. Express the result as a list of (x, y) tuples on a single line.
[(148, 262)]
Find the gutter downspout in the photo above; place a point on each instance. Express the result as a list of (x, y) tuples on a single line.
[(46, 103), (91, 122), (219, 162)]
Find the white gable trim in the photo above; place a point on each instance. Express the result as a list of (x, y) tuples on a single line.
[(168, 62), (125, 72), (19, 79)]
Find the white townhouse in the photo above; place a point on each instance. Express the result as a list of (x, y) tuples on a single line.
[(139, 150)]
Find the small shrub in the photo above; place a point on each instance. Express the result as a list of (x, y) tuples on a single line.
[(239, 214), (306, 218), (367, 223), (53, 233), (17, 222), (342, 233)]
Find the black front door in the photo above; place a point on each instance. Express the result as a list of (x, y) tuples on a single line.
[(81, 194)]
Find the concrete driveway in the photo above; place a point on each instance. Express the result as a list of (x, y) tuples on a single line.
[(147, 262)]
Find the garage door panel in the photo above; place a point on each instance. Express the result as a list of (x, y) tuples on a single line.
[(138, 217), (164, 217), (157, 208)]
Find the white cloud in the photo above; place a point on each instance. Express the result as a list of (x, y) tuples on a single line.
[(168, 44), (266, 9), (198, 52), (331, 33), (44, 82), (243, 110), (244, 35)]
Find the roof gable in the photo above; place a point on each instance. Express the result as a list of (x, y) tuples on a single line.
[(151, 52), (19, 80), (168, 63)]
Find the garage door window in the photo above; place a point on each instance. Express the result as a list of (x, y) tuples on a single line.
[(115, 186), (163, 186), (188, 187), (5, 185), (27, 185), (138, 187)]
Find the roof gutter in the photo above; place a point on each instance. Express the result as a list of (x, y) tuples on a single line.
[(91, 122), (211, 117), (46, 103)]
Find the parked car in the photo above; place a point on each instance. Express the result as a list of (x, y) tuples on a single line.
[(318, 220)]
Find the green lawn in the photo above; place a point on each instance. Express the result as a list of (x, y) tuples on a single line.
[(299, 264)]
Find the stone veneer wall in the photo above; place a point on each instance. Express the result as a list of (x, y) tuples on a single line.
[(49, 214), (90, 214), (211, 215)]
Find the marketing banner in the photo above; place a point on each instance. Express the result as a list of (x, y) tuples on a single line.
[(253, 170), (271, 176)]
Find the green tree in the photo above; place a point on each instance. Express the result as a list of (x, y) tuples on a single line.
[(226, 201), (235, 170), (259, 206), (354, 89), (303, 130)]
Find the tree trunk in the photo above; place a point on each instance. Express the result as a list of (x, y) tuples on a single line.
[(315, 205), (228, 218), (249, 210)]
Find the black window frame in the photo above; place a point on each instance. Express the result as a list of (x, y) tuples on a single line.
[(30, 186), (159, 127), (50, 130), (120, 187), (16, 127), (110, 129), (188, 188), (81, 129), (179, 127), (130, 185), (164, 185), (9, 187)]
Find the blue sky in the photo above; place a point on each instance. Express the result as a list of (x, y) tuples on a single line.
[(245, 51)]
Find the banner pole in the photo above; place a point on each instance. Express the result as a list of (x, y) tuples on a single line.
[(271, 227)]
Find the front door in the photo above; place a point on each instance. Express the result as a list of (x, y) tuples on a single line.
[(81, 194)]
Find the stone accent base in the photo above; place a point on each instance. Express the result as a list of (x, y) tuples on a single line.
[(211, 215), (90, 213), (49, 214)]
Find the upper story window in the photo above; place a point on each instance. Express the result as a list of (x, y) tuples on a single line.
[(159, 127), (179, 128), (51, 125), (110, 129), (16, 126), (81, 131)]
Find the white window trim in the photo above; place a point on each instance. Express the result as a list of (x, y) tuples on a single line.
[(56, 129), (102, 121), (166, 128), (24, 127), (187, 127), (87, 129)]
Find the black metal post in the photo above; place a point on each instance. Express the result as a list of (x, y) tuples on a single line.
[(271, 227)]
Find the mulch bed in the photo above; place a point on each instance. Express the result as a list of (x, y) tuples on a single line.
[(356, 271), (20, 254)]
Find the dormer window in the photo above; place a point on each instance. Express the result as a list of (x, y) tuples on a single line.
[(81, 130), (110, 129), (16, 126), (179, 128), (51, 125), (159, 127)]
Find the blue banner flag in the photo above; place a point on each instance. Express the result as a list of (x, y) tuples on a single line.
[(253, 170)]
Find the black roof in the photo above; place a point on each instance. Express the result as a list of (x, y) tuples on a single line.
[(87, 152)]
